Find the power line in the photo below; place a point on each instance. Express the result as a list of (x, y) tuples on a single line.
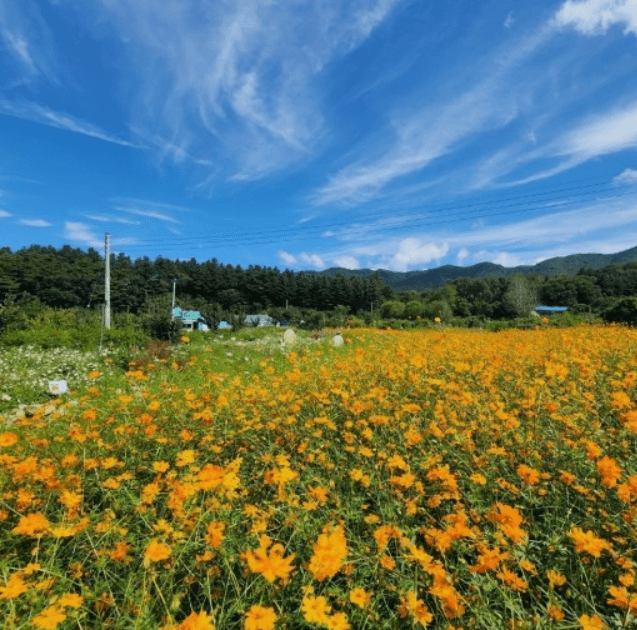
[(521, 200), (286, 236)]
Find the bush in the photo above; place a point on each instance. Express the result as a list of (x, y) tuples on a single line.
[(162, 327), (624, 311)]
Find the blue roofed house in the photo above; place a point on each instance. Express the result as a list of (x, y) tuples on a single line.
[(550, 310), (191, 320)]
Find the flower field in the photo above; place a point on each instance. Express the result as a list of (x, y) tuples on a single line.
[(443, 479)]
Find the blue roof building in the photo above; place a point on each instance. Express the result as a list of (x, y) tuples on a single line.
[(550, 310), (191, 320)]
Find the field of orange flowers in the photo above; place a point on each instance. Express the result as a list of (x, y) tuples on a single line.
[(443, 479)]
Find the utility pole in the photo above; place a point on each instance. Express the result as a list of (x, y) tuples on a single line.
[(172, 310), (107, 283)]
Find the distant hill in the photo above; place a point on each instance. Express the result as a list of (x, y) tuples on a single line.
[(560, 265)]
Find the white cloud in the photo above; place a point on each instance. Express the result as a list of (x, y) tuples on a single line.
[(508, 23), (628, 176), (412, 253), (4, 214), (313, 260), (592, 17), (82, 233), (462, 255), (506, 259), (287, 258), (26, 110), (608, 133), (347, 262), (35, 223)]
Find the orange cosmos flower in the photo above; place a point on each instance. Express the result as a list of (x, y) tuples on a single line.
[(49, 618), (156, 552), (338, 621), (197, 621), (214, 534), (14, 588), (8, 439), (260, 618), (512, 580), (609, 470), (184, 458), (360, 597), (529, 475), (592, 623), (555, 578), (330, 551), (271, 566), (587, 542), (555, 612), (413, 607), (72, 600), (315, 609), (32, 525)]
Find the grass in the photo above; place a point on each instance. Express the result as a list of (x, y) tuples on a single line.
[(441, 478)]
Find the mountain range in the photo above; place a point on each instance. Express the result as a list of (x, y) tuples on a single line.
[(428, 278)]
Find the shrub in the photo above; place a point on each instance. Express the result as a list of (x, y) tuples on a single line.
[(624, 311), (162, 327)]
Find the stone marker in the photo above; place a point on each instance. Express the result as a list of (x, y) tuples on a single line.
[(338, 340), (289, 337), (57, 387)]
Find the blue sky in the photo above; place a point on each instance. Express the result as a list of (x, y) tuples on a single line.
[(391, 134)]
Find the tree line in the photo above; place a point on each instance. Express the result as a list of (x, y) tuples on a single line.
[(71, 277)]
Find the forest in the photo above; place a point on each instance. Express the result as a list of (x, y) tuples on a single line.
[(71, 278)]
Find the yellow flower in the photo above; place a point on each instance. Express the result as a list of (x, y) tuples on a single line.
[(14, 588), (329, 554), (555, 578), (315, 609), (592, 623), (586, 541), (72, 600), (271, 566), (8, 439), (360, 597), (156, 552), (260, 618), (32, 525), (49, 618), (197, 621)]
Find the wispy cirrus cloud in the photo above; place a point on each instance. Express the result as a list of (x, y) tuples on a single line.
[(4, 214), (28, 40), (422, 136), (105, 218), (149, 209), (237, 79), (35, 223), (27, 110), (79, 232), (591, 137), (151, 214)]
